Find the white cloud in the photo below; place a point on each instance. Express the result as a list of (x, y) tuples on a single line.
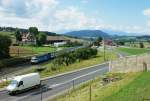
[(85, 1), (25, 13), (46, 15), (146, 12)]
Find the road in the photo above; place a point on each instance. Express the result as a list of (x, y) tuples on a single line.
[(58, 84)]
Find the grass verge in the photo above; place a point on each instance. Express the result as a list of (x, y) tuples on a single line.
[(132, 87), (78, 65)]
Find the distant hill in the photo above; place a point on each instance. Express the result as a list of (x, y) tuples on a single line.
[(119, 33), (146, 37), (88, 34)]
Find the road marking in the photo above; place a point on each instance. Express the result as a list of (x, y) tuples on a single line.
[(74, 71), (90, 73)]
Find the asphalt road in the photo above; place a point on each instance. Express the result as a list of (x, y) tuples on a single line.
[(57, 84)]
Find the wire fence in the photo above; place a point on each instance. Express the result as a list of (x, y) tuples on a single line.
[(70, 90), (89, 91), (131, 64)]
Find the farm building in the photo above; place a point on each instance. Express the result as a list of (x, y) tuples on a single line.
[(56, 39)]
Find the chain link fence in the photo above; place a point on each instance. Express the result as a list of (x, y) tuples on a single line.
[(131, 64)]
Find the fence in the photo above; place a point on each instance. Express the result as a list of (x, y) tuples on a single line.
[(93, 90), (52, 89), (84, 92), (131, 64)]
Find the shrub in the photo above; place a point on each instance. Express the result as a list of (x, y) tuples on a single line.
[(66, 58), (5, 43), (141, 45), (39, 69)]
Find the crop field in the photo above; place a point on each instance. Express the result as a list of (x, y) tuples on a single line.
[(134, 51), (29, 50)]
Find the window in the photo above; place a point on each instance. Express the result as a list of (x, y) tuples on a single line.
[(20, 83)]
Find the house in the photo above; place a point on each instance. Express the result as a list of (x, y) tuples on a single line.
[(56, 40), (108, 42), (27, 38)]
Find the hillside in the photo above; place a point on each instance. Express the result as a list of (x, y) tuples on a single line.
[(88, 34), (119, 33)]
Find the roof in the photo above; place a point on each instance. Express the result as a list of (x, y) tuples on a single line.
[(18, 78), (54, 38)]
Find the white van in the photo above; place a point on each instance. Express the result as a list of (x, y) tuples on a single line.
[(23, 82)]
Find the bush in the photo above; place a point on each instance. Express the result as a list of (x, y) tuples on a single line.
[(5, 43), (141, 45), (39, 69), (66, 58), (85, 53)]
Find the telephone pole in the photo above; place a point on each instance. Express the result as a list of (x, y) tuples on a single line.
[(104, 49)]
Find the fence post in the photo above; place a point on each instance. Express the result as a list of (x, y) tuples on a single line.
[(41, 89), (73, 84), (18, 51), (110, 65), (90, 93), (136, 62), (6, 80)]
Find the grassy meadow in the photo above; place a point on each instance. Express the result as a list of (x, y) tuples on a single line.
[(133, 51), (132, 87)]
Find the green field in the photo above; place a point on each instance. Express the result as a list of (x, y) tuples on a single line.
[(132, 87), (134, 51), (10, 34), (39, 50), (137, 90), (6, 33)]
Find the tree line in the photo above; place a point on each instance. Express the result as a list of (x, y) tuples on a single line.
[(67, 58)]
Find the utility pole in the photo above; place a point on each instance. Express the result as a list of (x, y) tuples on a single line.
[(104, 49), (41, 89), (90, 97)]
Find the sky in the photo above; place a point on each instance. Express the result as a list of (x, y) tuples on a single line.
[(60, 16)]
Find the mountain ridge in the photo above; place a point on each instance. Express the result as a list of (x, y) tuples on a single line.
[(88, 33)]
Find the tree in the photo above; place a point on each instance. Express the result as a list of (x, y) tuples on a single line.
[(5, 43), (41, 38), (97, 41), (33, 33), (120, 42), (18, 35), (141, 45)]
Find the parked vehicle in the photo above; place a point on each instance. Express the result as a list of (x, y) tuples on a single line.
[(23, 82)]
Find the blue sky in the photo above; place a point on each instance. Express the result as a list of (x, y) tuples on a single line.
[(66, 15)]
